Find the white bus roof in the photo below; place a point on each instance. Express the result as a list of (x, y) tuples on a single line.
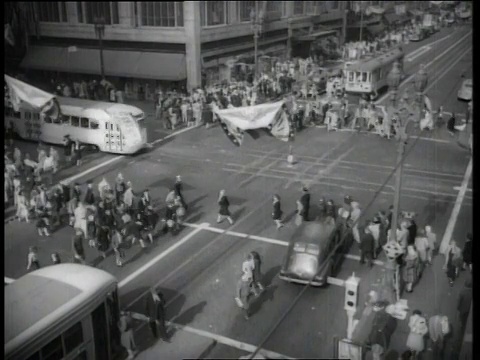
[(374, 63), (39, 299)]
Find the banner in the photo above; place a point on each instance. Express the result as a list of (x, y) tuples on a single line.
[(38, 99), (236, 121)]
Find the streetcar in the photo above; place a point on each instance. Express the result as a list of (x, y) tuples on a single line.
[(315, 252), (368, 76), (64, 311), (110, 127)]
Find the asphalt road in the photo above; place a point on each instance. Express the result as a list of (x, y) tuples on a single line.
[(198, 269)]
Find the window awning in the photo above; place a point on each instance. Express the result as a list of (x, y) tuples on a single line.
[(131, 64), (315, 35)]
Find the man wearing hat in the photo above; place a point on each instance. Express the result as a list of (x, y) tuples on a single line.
[(305, 201), (89, 195), (68, 143), (155, 309)]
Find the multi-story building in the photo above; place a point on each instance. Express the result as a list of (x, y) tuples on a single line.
[(145, 44)]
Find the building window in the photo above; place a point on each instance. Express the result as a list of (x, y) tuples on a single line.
[(332, 5), (53, 11), (298, 8), (80, 12), (309, 7), (108, 10), (213, 13), (273, 10), (244, 9), (162, 14)]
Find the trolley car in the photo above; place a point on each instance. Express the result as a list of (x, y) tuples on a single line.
[(368, 76), (111, 127)]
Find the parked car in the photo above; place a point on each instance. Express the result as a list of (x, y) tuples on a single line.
[(465, 92), (315, 252)]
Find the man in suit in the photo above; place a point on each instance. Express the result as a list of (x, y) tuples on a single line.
[(156, 312), (367, 247), (89, 195), (305, 200)]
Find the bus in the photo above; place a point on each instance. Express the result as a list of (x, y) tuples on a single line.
[(315, 252), (64, 311), (110, 127), (368, 76)]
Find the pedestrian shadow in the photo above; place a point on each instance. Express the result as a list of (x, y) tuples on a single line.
[(236, 201), (270, 275), (290, 216), (266, 295), (194, 205), (435, 207), (237, 214), (195, 218), (186, 317)]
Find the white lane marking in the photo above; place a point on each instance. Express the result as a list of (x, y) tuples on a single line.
[(435, 58), (457, 188), (456, 209), (9, 280), (174, 134), (420, 53), (263, 239), (228, 341), (159, 257)]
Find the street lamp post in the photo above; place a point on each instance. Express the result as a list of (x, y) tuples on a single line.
[(99, 23), (256, 17), (402, 110)]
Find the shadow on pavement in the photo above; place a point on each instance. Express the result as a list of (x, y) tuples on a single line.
[(195, 218), (189, 315), (236, 215)]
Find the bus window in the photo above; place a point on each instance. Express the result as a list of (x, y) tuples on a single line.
[(99, 322), (369, 77), (47, 119), (57, 120), (28, 115), (350, 76), (17, 115), (106, 126), (84, 123), (65, 119), (73, 337), (358, 76), (94, 124), (75, 121), (364, 76), (36, 116), (53, 350)]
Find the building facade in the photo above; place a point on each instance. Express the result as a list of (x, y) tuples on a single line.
[(147, 44)]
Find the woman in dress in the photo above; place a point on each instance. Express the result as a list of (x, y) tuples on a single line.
[(418, 329), (224, 212), (410, 270), (277, 211), (22, 210), (453, 261)]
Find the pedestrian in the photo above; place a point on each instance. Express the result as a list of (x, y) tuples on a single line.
[(305, 200), (117, 246), (464, 303), (322, 208), (42, 222), (355, 214), (243, 291), (155, 310), (89, 198), (300, 213), (119, 188), (418, 329), (76, 192), (22, 209), (77, 153), (277, 211), (77, 246), (144, 202), (410, 269), (132, 229), (467, 252), (451, 125), (453, 261), (330, 209), (10, 134), (32, 258), (170, 204), (223, 212), (125, 324), (128, 197), (421, 245), (68, 148), (367, 245), (438, 327), (55, 158), (257, 285), (55, 257), (103, 240), (412, 229), (178, 187), (432, 243), (382, 328)]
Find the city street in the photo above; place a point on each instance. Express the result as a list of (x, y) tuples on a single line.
[(198, 269)]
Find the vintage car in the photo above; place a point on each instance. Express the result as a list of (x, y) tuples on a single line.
[(315, 252)]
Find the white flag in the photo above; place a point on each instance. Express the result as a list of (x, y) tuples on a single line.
[(38, 99)]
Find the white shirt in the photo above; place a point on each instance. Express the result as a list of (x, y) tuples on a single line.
[(49, 163)]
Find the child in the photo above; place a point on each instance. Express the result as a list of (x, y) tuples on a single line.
[(32, 258), (42, 222), (55, 258)]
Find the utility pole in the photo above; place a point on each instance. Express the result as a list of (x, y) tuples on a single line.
[(99, 23)]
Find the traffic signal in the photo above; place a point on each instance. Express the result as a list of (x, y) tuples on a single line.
[(351, 293)]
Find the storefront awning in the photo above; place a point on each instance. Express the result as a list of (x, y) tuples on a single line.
[(315, 35), (393, 18), (375, 29), (131, 64)]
